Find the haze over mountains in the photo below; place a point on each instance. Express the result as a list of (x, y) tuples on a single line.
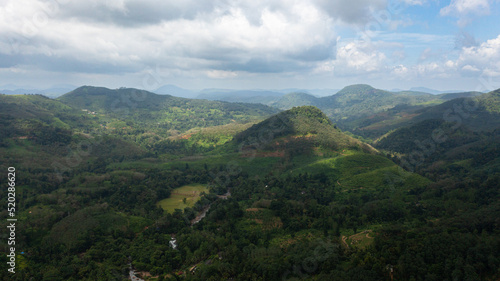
[(247, 95)]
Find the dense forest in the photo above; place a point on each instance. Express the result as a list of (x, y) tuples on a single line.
[(292, 195)]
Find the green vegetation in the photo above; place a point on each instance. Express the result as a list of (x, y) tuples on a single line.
[(285, 197), (183, 197), (161, 112)]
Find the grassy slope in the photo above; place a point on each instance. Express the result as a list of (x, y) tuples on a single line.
[(191, 192)]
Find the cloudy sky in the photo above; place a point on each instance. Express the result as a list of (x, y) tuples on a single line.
[(239, 44)]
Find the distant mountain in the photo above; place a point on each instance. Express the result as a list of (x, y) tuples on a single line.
[(296, 99), (314, 92), (175, 91), (248, 96), (368, 111), (450, 96), (432, 91), (354, 101), (53, 92)]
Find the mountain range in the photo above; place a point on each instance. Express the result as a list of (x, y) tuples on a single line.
[(366, 184)]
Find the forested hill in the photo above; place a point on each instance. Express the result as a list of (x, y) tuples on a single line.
[(104, 99), (306, 124), (162, 111), (357, 101), (459, 134), (476, 112)]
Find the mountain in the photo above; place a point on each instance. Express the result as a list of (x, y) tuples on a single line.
[(356, 101), (314, 92), (432, 91), (175, 91), (450, 96), (303, 140), (248, 96), (295, 99), (162, 111), (463, 132), (449, 106), (306, 123), (37, 132), (52, 92)]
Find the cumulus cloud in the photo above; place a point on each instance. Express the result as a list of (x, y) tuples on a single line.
[(483, 59), (128, 35), (472, 62), (231, 39), (465, 10), (355, 58)]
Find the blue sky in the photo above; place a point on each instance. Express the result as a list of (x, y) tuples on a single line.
[(270, 44)]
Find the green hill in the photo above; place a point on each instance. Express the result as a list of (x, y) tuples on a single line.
[(296, 99), (455, 106), (356, 101), (455, 140), (303, 128), (371, 112), (149, 110)]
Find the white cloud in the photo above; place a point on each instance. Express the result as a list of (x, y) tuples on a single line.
[(465, 9), (472, 62), (400, 70), (207, 35), (356, 58), (415, 2), (221, 74), (485, 57)]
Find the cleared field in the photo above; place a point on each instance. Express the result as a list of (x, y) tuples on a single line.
[(190, 192)]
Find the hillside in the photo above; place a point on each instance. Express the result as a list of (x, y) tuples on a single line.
[(305, 124), (247, 96), (460, 135), (149, 110), (295, 99), (355, 101), (461, 117), (370, 112), (38, 117), (378, 124), (470, 112)]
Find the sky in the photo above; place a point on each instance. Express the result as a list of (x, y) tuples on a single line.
[(251, 44)]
